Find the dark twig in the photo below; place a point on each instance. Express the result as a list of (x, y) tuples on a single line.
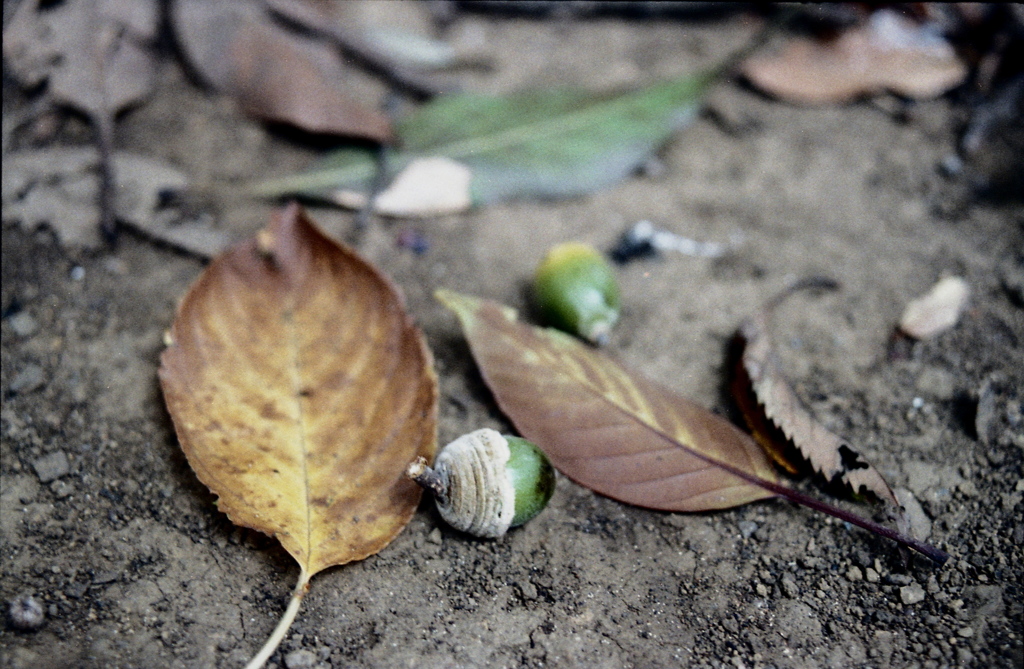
[(104, 124)]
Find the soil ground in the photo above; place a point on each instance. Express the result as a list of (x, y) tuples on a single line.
[(103, 522)]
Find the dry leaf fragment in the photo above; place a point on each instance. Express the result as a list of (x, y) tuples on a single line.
[(300, 390), (604, 426), (57, 187), (829, 455), (938, 310), (274, 73), (889, 52), (96, 58)]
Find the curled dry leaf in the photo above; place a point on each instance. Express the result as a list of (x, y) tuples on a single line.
[(828, 454), (274, 73), (938, 310), (604, 426), (300, 390), (889, 52)]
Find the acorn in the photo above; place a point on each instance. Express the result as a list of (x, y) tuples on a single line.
[(484, 483), (575, 290)]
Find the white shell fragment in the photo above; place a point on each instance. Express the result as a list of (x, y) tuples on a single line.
[(481, 499), (434, 186), (938, 310)]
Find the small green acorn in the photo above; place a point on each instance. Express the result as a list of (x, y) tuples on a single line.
[(484, 483), (575, 290)]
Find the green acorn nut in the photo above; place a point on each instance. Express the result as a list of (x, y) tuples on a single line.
[(575, 290), (484, 483)]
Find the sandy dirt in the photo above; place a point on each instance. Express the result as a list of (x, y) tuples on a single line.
[(105, 525)]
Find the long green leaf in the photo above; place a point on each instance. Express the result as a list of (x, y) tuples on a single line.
[(543, 144)]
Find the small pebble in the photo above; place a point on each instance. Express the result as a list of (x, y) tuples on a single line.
[(911, 594), (23, 324), (747, 528), (300, 659), (965, 632), (77, 273), (854, 574), (62, 489), (29, 379), (26, 613), (870, 575), (789, 587), (898, 579), (52, 466)]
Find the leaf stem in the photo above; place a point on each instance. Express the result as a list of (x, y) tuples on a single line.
[(283, 626), (931, 552)]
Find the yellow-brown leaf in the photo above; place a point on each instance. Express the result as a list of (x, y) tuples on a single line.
[(300, 390)]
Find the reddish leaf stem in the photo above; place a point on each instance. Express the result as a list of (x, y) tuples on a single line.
[(938, 556)]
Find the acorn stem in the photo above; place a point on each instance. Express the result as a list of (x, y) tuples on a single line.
[(420, 472)]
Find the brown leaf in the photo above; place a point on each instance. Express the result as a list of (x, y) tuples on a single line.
[(275, 74), (605, 426), (889, 52), (300, 390), (829, 455)]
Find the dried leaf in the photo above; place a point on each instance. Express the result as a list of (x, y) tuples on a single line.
[(300, 390), (829, 455), (96, 58), (95, 55), (889, 52), (938, 310), (57, 187), (604, 426), (274, 73), (543, 144)]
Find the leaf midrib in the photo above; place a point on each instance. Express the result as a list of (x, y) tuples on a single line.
[(293, 349)]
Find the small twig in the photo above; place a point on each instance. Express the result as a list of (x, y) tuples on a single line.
[(104, 124), (427, 478)]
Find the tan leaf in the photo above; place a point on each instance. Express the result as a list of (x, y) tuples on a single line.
[(938, 310), (889, 52), (829, 455), (275, 74), (606, 427), (300, 390)]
